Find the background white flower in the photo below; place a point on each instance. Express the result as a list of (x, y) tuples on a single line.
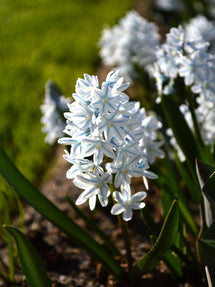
[(53, 107), (131, 42)]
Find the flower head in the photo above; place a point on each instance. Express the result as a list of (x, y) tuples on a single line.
[(53, 107), (125, 202), (131, 42), (106, 135)]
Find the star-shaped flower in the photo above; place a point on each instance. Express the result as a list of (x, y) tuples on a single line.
[(126, 202)]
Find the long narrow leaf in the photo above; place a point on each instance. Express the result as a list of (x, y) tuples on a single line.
[(209, 248), (209, 190), (57, 217), (191, 183), (170, 182), (207, 243), (8, 238), (162, 244), (30, 261), (204, 171), (169, 259), (182, 132)]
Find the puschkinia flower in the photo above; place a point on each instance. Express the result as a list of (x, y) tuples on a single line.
[(53, 107), (125, 202), (170, 5), (205, 115), (188, 57), (110, 139), (93, 185), (132, 42), (201, 28)]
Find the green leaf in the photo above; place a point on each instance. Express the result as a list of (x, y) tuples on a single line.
[(162, 245), (8, 238), (210, 232), (181, 130), (204, 171), (171, 190), (207, 243), (31, 263), (192, 183), (209, 247), (209, 190), (209, 270), (170, 259), (57, 217)]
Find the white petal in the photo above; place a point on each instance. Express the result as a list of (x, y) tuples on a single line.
[(137, 205), (127, 214), (66, 141), (80, 200), (92, 202), (117, 209), (145, 182), (139, 196), (103, 198), (118, 197), (150, 174)]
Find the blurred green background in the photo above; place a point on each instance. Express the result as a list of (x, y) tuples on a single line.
[(42, 40)]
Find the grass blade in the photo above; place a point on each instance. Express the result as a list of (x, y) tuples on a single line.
[(31, 263)]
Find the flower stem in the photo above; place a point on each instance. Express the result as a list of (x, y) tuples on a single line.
[(125, 233)]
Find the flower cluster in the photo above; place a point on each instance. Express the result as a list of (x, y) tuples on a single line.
[(170, 5), (188, 59), (130, 43), (53, 107), (191, 61), (111, 140), (201, 28)]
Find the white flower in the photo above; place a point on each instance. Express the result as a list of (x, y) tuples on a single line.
[(170, 5), (104, 100), (84, 88), (80, 166), (205, 84), (111, 124), (125, 169), (80, 115), (93, 185), (53, 107), (105, 133), (200, 27), (175, 145), (191, 67), (98, 147), (126, 202), (206, 117), (131, 42), (153, 149)]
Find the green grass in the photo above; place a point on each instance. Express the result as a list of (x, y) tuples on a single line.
[(42, 40)]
